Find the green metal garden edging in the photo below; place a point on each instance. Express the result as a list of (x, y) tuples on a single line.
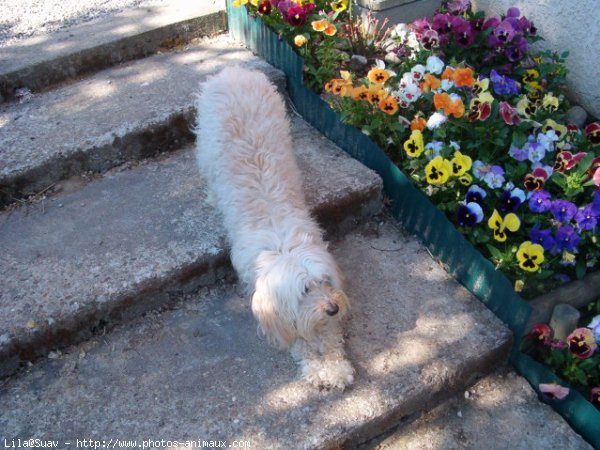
[(416, 214)]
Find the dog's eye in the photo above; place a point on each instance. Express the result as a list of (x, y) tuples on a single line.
[(305, 289)]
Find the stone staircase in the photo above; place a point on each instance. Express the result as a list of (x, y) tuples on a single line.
[(119, 313)]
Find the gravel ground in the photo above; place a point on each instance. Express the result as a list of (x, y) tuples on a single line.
[(20, 19)]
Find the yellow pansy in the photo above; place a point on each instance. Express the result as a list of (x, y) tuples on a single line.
[(481, 86), (560, 130), (300, 40), (460, 164), (499, 225), (238, 3), (339, 5), (438, 170), (414, 145), (377, 75), (550, 102), (530, 256)]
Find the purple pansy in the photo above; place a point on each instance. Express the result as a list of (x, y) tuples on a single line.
[(493, 176), (504, 85), (542, 237), (566, 239), (540, 201), (563, 210), (504, 32), (520, 154), (586, 218)]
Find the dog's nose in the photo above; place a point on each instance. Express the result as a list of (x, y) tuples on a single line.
[(332, 309)]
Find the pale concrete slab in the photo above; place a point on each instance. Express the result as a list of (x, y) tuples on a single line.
[(201, 371), (500, 412), (127, 243), (126, 113), (40, 61)]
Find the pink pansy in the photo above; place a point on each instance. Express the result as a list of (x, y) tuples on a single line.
[(554, 391), (509, 114), (596, 177), (582, 343)]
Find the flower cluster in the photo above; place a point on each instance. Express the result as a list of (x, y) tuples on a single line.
[(576, 358), (474, 116)]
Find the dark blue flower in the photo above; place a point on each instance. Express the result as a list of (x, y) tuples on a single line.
[(469, 214), (475, 194), (540, 201), (542, 237), (510, 200)]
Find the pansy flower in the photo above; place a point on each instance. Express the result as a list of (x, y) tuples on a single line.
[(430, 83), (388, 105), (526, 108), (586, 218), (509, 114), (566, 160), (436, 120), (500, 225), (434, 65), (301, 40), (504, 32), (554, 391), (339, 5), (492, 175), (375, 94), (418, 123), (413, 146), (378, 75), (504, 85), (592, 132), (479, 110), (540, 333), (582, 343), (469, 214), (460, 164), (566, 239), (475, 194), (563, 210), (560, 130), (542, 237), (438, 170), (550, 102), (530, 256), (594, 166), (536, 180), (449, 104), (430, 39), (481, 86), (510, 200), (264, 8), (540, 201), (463, 77), (360, 93)]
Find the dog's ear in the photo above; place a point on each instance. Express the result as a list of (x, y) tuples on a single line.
[(278, 331)]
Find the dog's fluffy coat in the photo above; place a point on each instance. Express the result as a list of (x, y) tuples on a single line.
[(244, 150)]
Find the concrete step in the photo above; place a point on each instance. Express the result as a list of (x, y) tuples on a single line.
[(130, 112), (499, 412), (42, 61), (98, 254), (200, 371)]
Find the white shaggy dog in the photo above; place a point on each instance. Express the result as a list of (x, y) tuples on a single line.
[(244, 150)]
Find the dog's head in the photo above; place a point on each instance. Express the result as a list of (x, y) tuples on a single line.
[(290, 302)]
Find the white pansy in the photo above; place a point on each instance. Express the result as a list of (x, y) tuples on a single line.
[(418, 72), (446, 85), (400, 31), (434, 65), (436, 120)]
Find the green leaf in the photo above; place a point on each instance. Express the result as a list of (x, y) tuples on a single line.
[(580, 268), (496, 254)]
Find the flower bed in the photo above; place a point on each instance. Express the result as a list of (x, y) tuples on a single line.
[(473, 122)]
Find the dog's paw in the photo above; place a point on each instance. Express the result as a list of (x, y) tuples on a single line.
[(329, 374)]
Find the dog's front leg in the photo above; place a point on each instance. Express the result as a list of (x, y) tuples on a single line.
[(322, 360)]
